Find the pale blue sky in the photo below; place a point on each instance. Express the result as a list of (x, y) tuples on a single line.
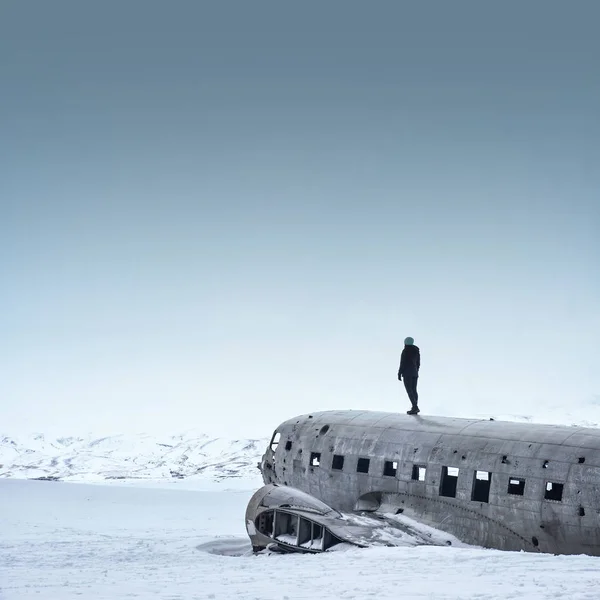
[(219, 215)]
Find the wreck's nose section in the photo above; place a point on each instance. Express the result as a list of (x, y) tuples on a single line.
[(267, 462), (266, 466), (286, 519)]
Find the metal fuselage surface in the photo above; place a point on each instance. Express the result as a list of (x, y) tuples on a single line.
[(510, 486)]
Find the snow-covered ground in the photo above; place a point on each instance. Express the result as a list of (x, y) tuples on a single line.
[(68, 540)]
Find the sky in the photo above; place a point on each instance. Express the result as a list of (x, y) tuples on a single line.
[(221, 215)]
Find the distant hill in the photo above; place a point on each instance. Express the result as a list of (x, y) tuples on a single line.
[(138, 456)]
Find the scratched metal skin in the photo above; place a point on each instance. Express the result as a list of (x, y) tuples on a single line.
[(538, 454)]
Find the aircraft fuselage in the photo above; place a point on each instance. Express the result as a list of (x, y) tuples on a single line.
[(510, 486)]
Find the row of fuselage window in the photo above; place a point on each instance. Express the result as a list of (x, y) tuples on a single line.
[(482, 480)]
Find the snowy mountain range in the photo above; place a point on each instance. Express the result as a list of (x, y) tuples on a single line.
[(141, 456)]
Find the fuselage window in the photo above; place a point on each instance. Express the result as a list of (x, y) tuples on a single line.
[(449, 482), (516, 487), (315, 459), (288, 445), (363, 465), (418, 473), (337, 464), (482, 480), (554, 491), (390, 468), (275, 441)]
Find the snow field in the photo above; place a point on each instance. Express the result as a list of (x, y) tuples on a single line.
[(60, 541)]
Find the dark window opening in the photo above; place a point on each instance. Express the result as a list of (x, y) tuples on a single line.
[(264, 523), (554, 491), (304, 532), (324, 430), (275, 441), (329, 540), (535, 541), (311, 535), (516, 487), (338, 462), (286, 528), (449, 482), (581, 460), (363, 465), (418, 473), (390, 468), (504, 460), (581, 511), (545, 465), (288, 445), (315, 459), (482, 480)]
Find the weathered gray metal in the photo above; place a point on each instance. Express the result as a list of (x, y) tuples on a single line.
[(552, 504), (285, 519)]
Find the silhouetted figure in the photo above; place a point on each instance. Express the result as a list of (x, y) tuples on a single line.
[(410, 363)]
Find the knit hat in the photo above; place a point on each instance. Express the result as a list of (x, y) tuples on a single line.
[(409, 341)]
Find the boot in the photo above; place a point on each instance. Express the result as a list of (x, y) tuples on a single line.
[(414, 410)]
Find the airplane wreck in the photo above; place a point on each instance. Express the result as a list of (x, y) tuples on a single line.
[(363, 478)]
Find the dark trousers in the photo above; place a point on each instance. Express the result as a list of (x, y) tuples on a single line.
[(410, 383)]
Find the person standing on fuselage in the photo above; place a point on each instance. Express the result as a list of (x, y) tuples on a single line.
[(410, 363)]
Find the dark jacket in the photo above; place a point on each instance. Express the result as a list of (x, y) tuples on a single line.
[(410, 362)]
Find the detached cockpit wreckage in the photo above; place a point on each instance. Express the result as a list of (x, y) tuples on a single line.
[(364, 478)]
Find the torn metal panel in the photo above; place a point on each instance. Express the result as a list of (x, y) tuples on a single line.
[(283, 519)]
